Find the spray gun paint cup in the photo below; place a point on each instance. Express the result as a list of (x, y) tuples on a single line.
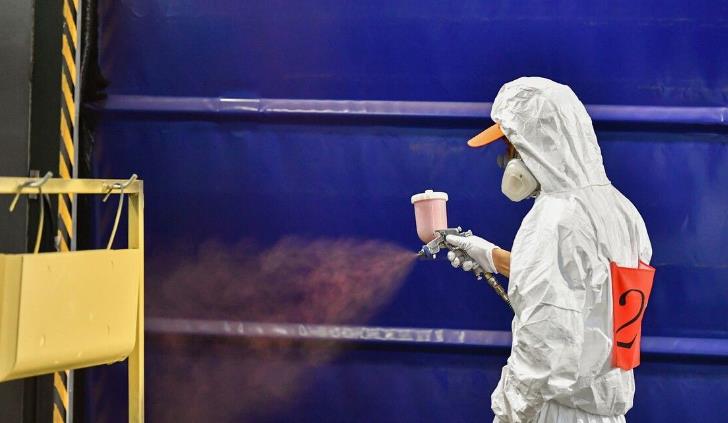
[(430, 213)]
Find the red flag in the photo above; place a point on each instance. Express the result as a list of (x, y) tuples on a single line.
[(630, 292)]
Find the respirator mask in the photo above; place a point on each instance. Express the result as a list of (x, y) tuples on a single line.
[(518, 182)]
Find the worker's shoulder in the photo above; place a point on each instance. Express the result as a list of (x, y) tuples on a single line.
[(553, 220), (553, 211)]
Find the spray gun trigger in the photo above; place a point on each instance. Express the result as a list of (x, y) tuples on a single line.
[(432, 248)]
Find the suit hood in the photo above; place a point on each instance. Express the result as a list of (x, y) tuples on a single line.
[(552, 132)]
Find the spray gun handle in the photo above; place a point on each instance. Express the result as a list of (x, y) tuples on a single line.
[(490, 279)]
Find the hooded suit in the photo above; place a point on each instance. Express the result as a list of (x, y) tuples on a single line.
[(560, 367)]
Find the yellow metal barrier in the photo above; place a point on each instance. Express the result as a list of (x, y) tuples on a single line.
[(67, 310)]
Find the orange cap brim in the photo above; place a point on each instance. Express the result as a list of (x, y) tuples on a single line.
[(486, 137)]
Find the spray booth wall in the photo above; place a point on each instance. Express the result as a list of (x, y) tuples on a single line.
[(212, 104)]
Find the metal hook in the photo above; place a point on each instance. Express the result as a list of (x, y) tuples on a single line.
[(120, 187), (38, 183)]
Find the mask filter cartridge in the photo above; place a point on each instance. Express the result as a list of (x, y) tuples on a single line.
[(518, 182)]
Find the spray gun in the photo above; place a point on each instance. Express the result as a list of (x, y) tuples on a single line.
[(432, 248), (430, 214)]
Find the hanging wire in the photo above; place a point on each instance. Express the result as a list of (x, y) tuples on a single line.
[(41, 220), (38, 183), (120, 187), (116, 220)]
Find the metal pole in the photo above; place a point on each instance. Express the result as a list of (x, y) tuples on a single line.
[(67, 169)]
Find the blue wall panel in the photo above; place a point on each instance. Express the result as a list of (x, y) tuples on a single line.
[(647, 52), (355, 181), (233, 175)]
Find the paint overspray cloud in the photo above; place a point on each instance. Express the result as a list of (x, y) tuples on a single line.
[(297, 280)]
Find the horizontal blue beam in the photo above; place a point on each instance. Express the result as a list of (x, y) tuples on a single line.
[(495, 339), (397, 109), (684, 347)]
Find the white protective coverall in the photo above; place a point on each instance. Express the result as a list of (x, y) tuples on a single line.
[(560, 366)]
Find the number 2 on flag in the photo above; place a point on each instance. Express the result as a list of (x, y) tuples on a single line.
[(631, 288)]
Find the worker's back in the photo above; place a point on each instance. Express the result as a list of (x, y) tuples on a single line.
[(618, 234)]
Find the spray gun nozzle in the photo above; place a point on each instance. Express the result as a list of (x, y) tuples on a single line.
[(433, 247), (426, 253)]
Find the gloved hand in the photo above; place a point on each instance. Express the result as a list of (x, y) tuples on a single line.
[(476, 247)]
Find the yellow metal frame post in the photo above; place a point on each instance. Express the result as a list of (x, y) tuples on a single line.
[(136, 359), (134, 189)]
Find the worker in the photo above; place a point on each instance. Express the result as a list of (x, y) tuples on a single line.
[(560, 368)]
